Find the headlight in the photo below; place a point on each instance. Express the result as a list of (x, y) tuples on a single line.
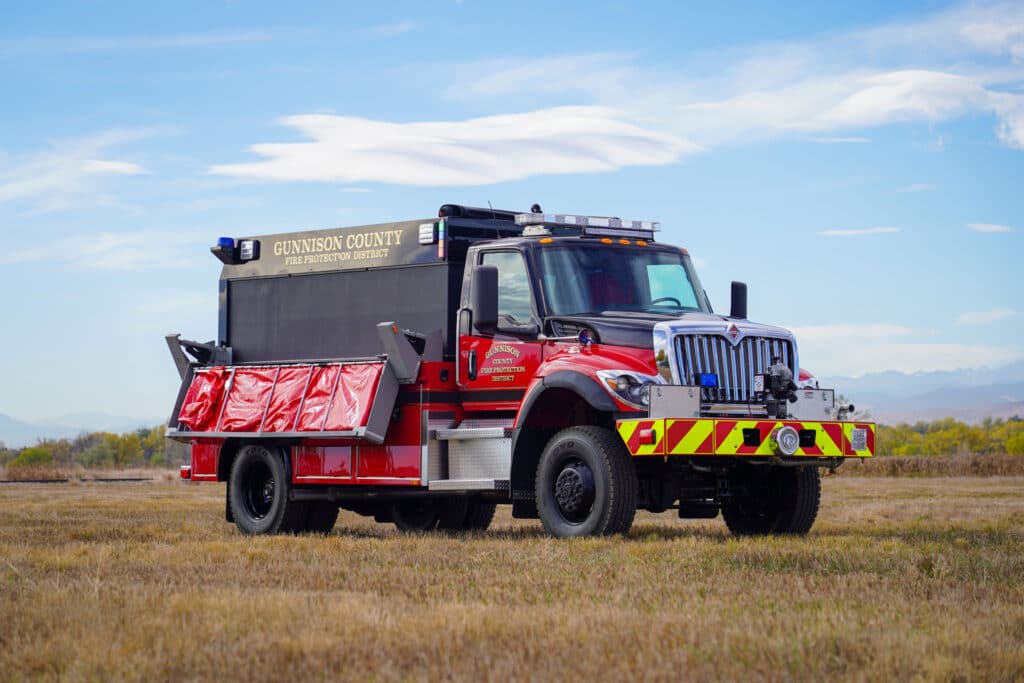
[(631, 388)]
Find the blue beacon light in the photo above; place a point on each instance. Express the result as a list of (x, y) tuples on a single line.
[(708, 379)]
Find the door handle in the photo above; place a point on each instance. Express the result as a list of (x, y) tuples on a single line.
[(471, 366)]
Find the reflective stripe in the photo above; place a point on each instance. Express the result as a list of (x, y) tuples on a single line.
[(630, 432), (849, 441), (689, 437), (707, 436)]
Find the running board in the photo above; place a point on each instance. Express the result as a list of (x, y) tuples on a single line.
[(469, 485), (471, 433)]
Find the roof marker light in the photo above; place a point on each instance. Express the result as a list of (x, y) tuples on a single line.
[(607, 240)]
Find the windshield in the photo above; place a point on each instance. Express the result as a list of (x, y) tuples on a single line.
[(593, 278)]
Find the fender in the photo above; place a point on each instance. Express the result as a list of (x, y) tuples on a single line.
[(586, 387)]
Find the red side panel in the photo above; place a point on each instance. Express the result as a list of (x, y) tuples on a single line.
[(284, 404), (324, 464), (247, 400), (201, 406), (353, 397), (318, 398), (204, 461), (389, 462)]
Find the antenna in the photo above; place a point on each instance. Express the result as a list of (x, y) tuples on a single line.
[(494, 215)]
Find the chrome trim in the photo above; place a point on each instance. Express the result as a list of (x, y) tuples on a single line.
[(769, 341)]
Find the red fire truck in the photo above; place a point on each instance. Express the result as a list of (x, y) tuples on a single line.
[(425, 371)]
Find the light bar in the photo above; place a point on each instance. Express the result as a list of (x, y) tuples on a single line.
[(585, 221)]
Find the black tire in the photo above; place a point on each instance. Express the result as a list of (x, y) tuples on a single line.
[(586, 484), (321, 517), (452, 513), (417, 515), (480, 515), (464, 513), (258, 493), (783, 500)]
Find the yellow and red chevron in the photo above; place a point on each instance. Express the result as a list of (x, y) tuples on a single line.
[(729, 437), (690, 437), (632, 431), (707, 436)]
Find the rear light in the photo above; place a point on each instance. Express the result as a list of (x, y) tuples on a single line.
[(185, 472)]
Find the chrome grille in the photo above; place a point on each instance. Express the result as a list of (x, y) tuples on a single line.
[(735, 366)]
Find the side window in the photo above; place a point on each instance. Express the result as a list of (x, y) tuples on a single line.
[(513, 284), (669, 282)]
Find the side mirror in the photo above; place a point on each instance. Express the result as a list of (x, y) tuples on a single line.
[(484, 299), (738, 309)]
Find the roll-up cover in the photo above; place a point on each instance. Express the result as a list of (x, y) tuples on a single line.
[(337, 399)]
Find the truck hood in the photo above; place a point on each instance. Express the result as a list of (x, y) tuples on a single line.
[(635, 328)]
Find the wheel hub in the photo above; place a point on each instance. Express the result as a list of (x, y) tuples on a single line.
[(574, 491), (268, 492)]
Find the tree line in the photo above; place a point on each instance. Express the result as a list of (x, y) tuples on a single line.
[(950, 437), (141, 448), (149, 447)]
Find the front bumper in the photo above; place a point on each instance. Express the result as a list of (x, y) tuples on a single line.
[(744, 438)]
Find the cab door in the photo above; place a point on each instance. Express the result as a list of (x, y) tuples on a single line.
[(494, 371)]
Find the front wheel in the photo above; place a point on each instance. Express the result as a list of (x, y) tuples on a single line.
[(258, 493), (586, 484), (783, 500)]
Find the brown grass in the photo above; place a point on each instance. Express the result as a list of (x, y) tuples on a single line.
[(965, 465), (900, 579)]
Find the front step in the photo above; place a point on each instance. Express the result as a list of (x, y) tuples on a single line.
[(469, 485), (460, 433), (479, 456)]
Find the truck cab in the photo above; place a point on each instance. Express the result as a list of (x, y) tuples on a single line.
[(568, 365)]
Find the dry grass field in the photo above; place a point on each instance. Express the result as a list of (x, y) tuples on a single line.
[(900, 579)]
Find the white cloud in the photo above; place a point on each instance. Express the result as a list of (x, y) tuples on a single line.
[(971, 318), (69, 174), (112, 167), (838, 83), (853, 350), (478, 151), (989, 227), (857, 231)]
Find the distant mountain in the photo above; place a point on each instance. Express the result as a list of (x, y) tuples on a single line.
[(969, 395), (18, 434), (101, 422)]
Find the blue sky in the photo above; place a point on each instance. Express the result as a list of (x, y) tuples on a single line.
[(860, 165)]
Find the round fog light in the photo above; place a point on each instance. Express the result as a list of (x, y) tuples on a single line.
[(787, 440)]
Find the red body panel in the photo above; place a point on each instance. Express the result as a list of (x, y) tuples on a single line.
[(503, 365), (204, 461)]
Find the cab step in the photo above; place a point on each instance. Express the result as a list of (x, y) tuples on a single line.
[(460, 433)]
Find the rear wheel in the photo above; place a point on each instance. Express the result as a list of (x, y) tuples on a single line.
[(586, 484), (258, 493), (480, 516), (321, 518), (417, 515), (457, 513), (783, 500)]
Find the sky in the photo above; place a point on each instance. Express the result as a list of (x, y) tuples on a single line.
[(859, 165)]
